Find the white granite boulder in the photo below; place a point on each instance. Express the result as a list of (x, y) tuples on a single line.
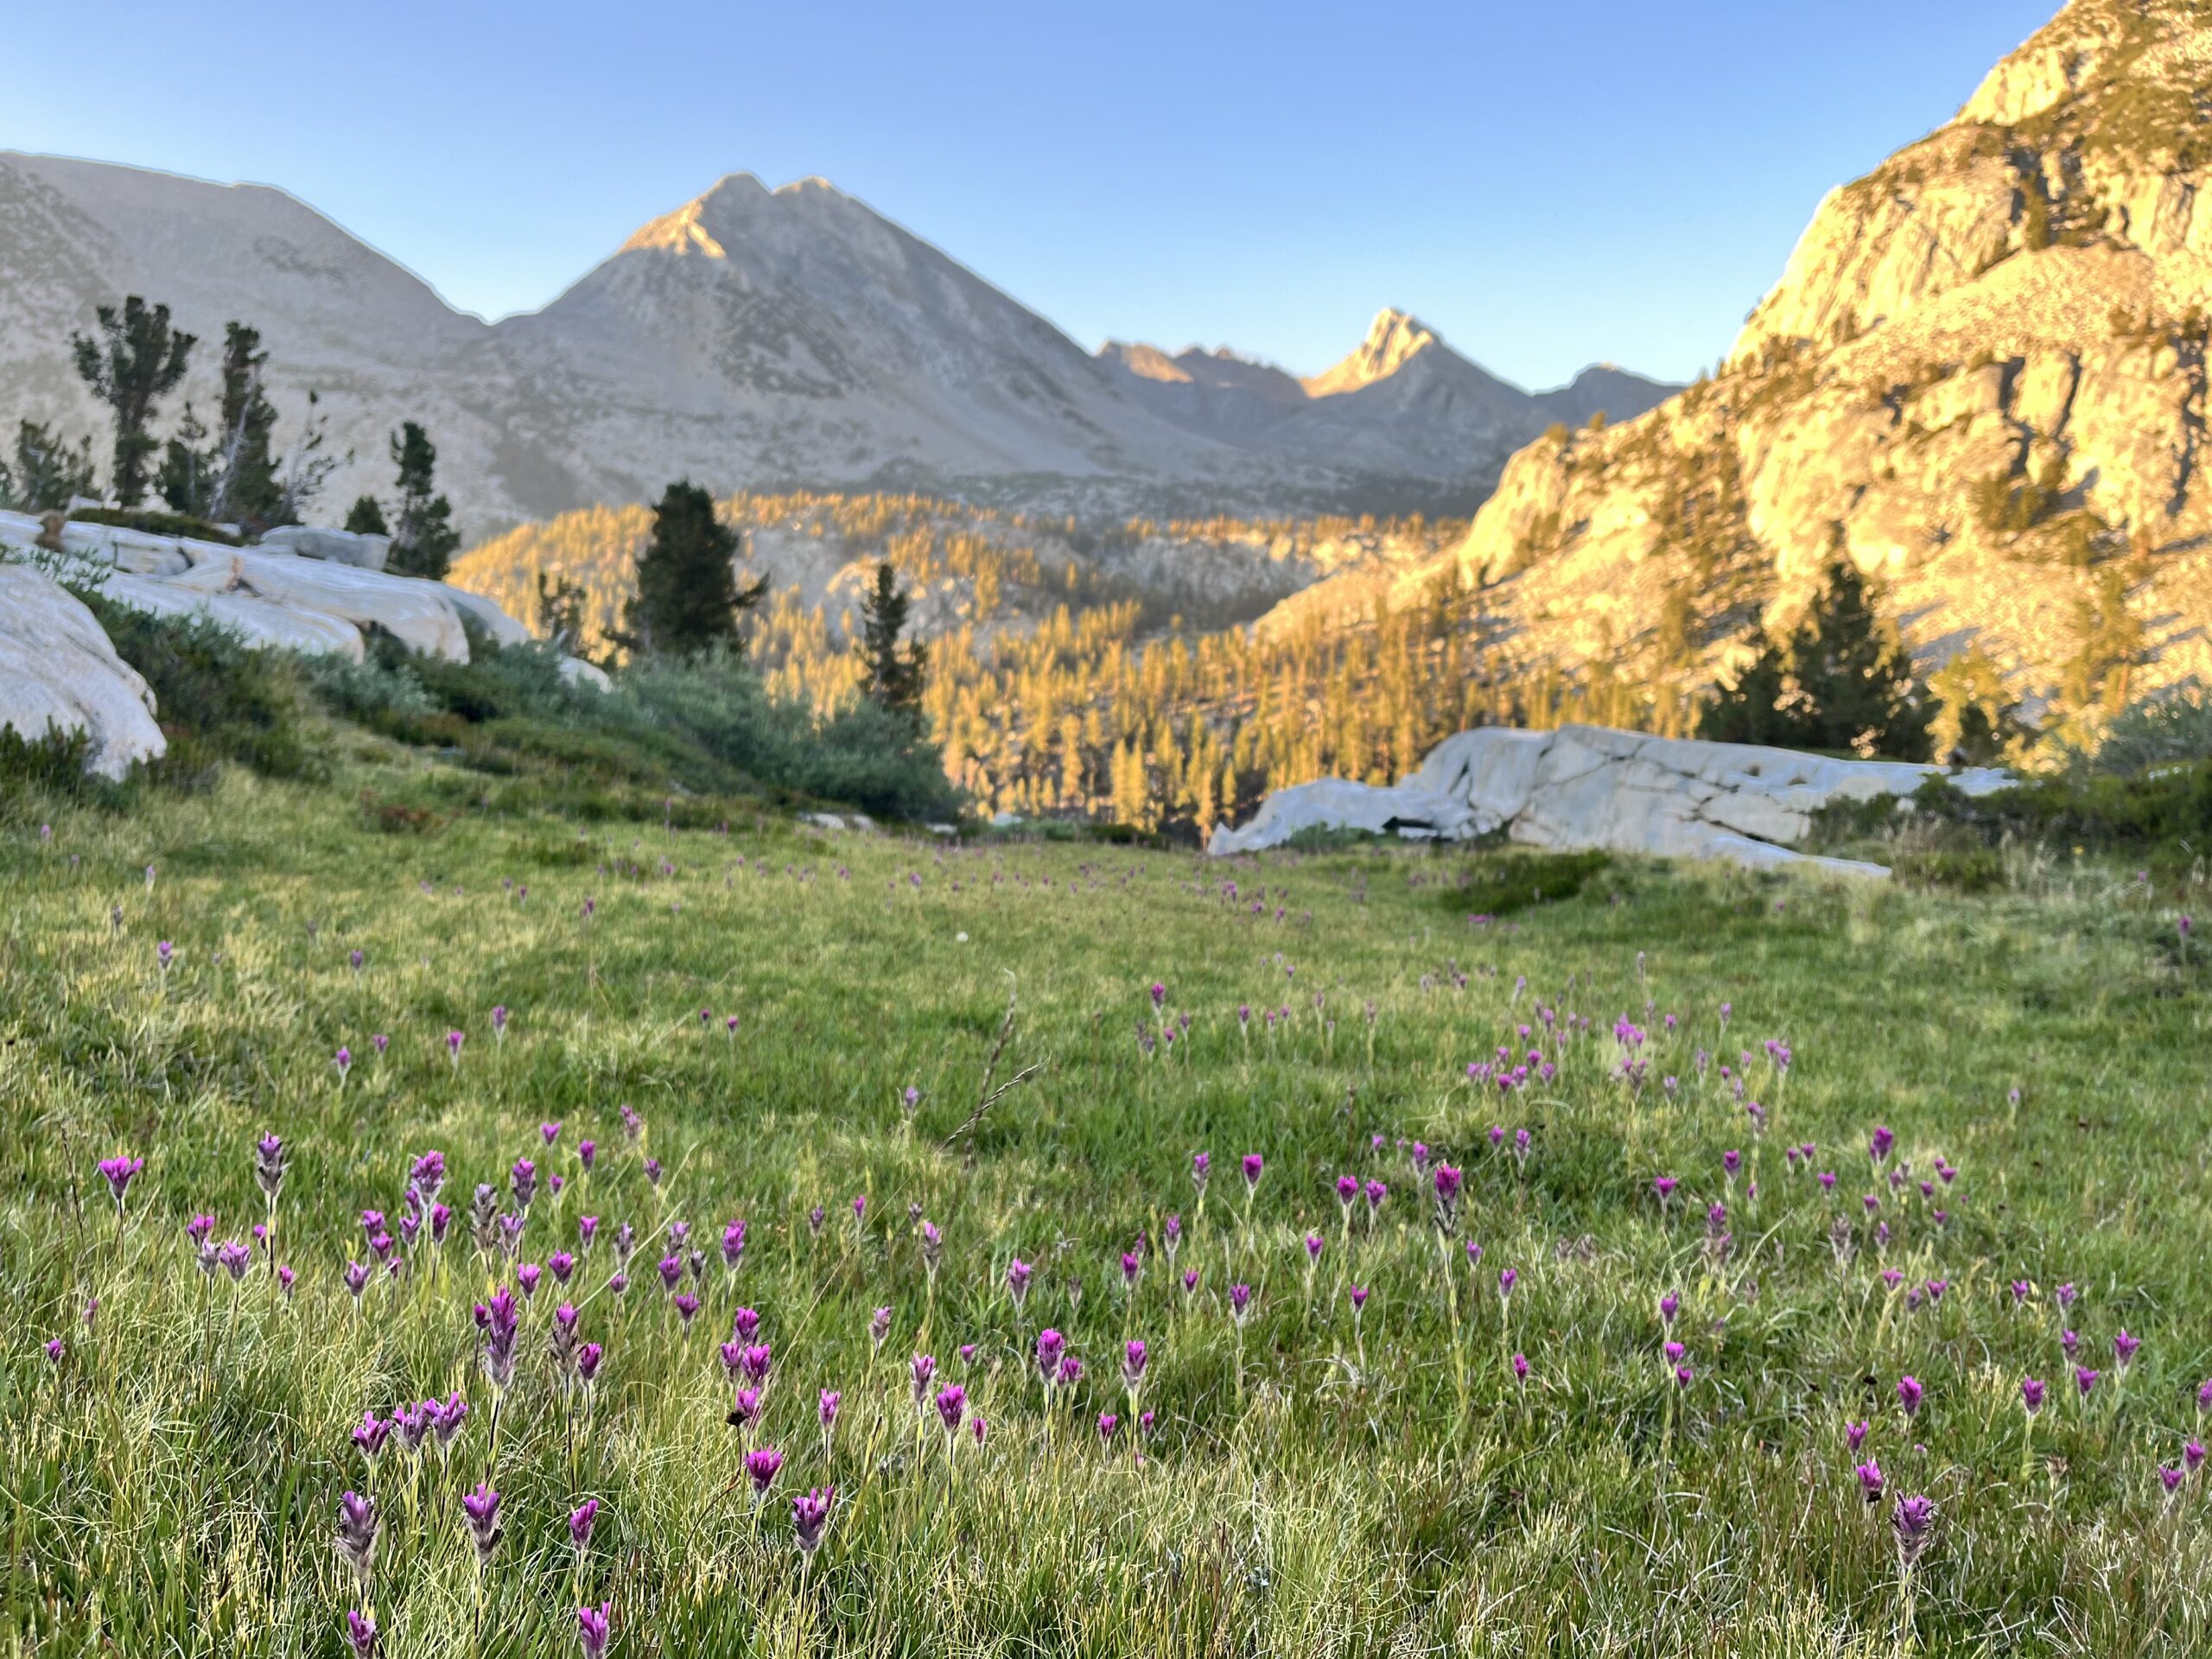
[(576, 671), (328, 584), (422, 615), (58, 672), (1405, 809), (257, 623), (1590, 786), (336, 546), (487, 615)]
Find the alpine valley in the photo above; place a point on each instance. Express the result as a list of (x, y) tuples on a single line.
[(1159, 583)]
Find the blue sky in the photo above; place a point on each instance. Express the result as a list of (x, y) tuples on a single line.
[(1547, 184)]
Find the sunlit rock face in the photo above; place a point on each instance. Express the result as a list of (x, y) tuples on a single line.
[(1982, 377)]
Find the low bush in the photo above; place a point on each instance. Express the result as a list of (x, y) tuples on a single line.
[(863, 755), (1968, 870), (2174, 727), (370, 690), (157, 523), (48, 767), (217, 700), (1338, 838), (667, 733), (2169, 805), (1498, 884)]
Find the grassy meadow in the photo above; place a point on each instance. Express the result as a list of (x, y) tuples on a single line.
[(1468, 1464)]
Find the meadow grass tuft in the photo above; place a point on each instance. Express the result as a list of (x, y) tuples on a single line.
[(756, 1024)]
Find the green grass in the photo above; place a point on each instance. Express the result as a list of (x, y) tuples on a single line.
[(1312, 1485)]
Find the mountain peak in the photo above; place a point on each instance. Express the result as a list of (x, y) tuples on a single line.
[(703, 225), (684, 231), (1148, 362), (1221, 370), (1394, 339)]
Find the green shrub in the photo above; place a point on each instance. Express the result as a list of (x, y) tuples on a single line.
[(157, 523), (1337, 838), (617, 752), (863, 755), (1498, 884), (368, 690), (704, 726), (879, 760), (2172, 726), (2082, 809), (49, 768), (216, 699), (1970, 870)]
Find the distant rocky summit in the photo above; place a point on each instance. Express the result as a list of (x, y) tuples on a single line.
[(1402, 401), (752, 338), (1590, 786)]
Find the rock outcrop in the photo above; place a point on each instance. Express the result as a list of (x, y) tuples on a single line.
[(313, 592), (1982, 377), (300, 590), (338, 546), (59, 674), (1590, 786)]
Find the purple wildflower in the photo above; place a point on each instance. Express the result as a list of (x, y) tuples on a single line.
[(481, 1510), (810, 1517), (593, 1626), (1915, 1522)]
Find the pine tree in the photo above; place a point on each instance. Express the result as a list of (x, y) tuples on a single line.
[(365, 517), (134, 361), (1855, 677), (561, 611), (46, 471), (186, 479), (1750, 708), (890, 675), (423, 540), (1843, 682), (688, 599), (247, 487), (2093, 682)]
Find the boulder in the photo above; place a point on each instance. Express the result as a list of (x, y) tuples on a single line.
[(1591, 787), (58, 672), (336, 546), (576, 670), (420, 614), (134, 551), (1405, 809), (301, 590), (487, 615), (256, 622)]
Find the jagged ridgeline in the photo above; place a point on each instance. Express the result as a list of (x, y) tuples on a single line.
[(1982, 376)]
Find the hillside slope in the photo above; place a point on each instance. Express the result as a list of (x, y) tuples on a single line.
[(752, 339), (1982, 376)]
